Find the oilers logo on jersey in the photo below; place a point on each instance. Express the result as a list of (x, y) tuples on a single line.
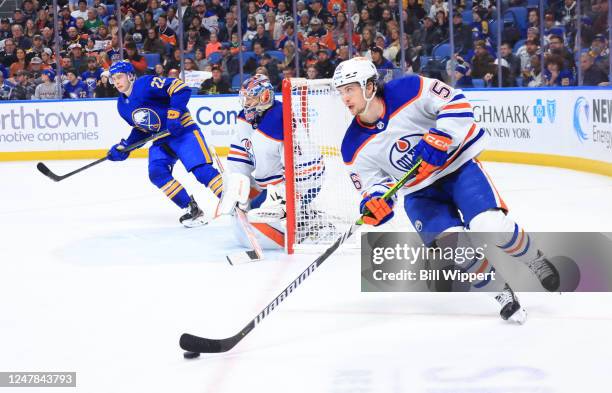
[(400, 155), (248, 146), (146, 119)]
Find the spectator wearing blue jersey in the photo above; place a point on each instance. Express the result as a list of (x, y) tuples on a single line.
[(555, 74), (73, 87), (462, 75), (378, 59), (91, 76)]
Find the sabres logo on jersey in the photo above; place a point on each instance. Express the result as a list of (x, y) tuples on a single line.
[(400, 155), (146, 119)]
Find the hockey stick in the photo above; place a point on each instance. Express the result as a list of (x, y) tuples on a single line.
[(254, 255), (47, 172), (195, 344)]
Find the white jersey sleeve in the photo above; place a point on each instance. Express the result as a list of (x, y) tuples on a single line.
[(449, 108), (257, 150)]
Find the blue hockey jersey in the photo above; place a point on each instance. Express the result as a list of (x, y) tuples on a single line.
[(78, 90), (147, 106)]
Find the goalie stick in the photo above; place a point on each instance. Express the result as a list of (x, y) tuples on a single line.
[(47, 172), (254, 255), (196, 344)]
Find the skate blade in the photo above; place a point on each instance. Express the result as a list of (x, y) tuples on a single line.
[(198, 222), (519, 317)]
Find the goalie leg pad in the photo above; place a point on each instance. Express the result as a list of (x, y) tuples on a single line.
[(237, 189), (269, 236), (273, 209)]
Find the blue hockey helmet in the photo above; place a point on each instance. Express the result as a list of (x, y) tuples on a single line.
[(258, 86), (122, 67)]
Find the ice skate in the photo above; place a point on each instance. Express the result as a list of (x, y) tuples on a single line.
[(511, 309), (546, 272), (194, 216)]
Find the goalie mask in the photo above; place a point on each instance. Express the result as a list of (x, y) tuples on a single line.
[(256, 96)]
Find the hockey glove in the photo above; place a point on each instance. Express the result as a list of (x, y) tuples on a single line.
[(433, 149), (116, 152), (174, 122), (376, 211)]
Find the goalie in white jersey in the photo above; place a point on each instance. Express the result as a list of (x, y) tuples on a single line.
[(256, 179), (417, 117)]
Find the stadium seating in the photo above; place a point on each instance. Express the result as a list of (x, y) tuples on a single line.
[(517, 45), (152, 59), (236, 81), (278, 55), (215, 58), (442, 50)]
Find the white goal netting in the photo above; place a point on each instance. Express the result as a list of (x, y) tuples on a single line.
[(322, 202)]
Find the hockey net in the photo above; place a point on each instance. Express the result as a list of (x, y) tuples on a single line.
[(322, 202)]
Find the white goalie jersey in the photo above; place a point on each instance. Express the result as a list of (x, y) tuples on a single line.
[(378, 154), (257, 150)]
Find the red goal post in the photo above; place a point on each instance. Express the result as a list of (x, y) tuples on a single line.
[(321, 199)]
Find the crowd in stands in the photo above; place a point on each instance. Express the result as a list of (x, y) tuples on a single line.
[(90, 42)]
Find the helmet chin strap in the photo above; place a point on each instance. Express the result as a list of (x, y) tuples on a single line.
[(368, 100), (131, 79)]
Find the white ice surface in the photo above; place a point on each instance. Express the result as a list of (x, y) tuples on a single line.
[(97, 277)]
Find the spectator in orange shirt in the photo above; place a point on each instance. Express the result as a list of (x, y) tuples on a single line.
[(165, 33), (213, 45), (20, 64), (139, 62)]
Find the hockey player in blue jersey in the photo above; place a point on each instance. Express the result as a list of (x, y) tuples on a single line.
[(151, 104)]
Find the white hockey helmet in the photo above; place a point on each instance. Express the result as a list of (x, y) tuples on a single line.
[(357, 69)]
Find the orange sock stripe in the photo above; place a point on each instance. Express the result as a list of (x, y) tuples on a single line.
[(482, 267), (521, 240)]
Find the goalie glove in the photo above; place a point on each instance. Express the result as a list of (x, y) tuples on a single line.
[(273, 209), (235, 193)]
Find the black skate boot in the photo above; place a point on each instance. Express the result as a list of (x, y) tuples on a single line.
[(546, 272), (510, 307), (194, 216)]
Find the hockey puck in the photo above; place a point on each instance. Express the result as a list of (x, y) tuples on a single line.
[(191, 355)]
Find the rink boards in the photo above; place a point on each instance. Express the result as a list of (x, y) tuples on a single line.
[(569, 128)]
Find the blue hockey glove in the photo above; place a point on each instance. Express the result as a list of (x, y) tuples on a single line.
[(174, 122), (380, 210), (116, 154), (433, 149)]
